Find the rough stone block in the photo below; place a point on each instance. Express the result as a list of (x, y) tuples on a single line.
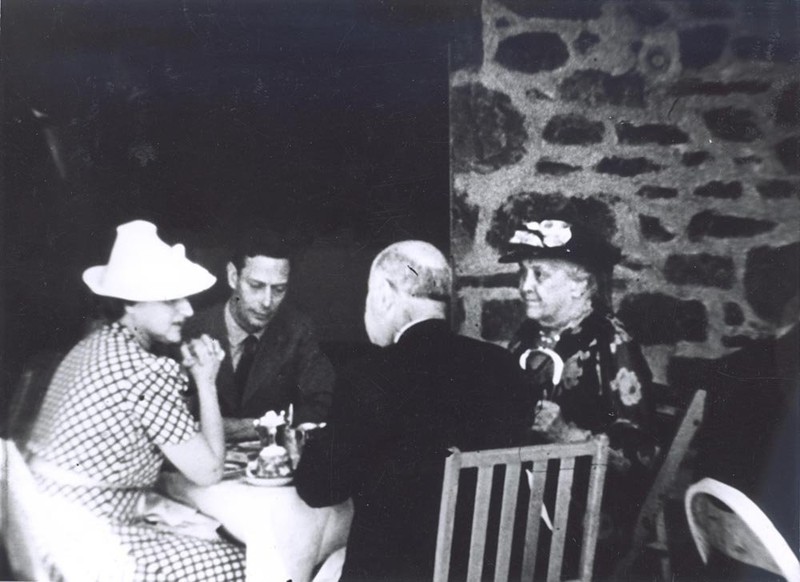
[(653, 230), (695, 86), (557, 9), (778, 189), (692, 159), (702, 46), (498, 280), (646, 14), (626, 167), (573, 129), (710, 223), (717, 189), (487, 131), (788, 152), (770, 282), (748, 160), (554, 168), (532, 52), (585, 42), (656, 133), (658, 59), (737, 341), (733, 313), (593, 87), (771, 50), (656, 318), (787, 106), (500, 319), (732, 124), (465, 217), (458, 313), (703, 269), (590, 213), (710, 8), (655, 192)]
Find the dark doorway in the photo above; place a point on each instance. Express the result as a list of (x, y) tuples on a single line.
[(328, 120)]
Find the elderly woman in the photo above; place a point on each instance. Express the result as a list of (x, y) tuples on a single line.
[(594, 377), (114, 410)]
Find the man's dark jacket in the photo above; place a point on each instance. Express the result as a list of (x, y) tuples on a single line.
[(289, 367), (393, 419)]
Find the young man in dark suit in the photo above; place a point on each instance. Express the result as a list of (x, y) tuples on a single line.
[(272, 355), (396, 414)]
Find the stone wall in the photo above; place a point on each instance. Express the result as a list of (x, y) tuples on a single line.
[(675, 124)]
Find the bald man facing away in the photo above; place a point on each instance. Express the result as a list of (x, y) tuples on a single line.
[(395, 415)]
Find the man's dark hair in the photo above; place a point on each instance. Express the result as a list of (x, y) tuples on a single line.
[(256, 242)]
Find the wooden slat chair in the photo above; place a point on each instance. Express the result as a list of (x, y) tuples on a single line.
[(650, 531), (726, 520), (513, 459)]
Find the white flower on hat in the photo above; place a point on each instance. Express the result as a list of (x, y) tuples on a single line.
[(523, 237), (554, 233), (547, 233)]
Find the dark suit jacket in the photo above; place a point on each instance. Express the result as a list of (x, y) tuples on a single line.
[(394, 417), (289, 367)]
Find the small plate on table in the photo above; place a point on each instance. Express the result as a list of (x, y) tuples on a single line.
[(252, 479)]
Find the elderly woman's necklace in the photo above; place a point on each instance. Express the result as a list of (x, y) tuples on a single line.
[(548, 338)]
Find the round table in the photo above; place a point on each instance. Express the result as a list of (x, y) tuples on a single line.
[(285, 538)]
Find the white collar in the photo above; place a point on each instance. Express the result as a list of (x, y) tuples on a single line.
[(236, 334)]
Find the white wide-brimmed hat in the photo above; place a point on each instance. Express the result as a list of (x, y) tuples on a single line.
[(142, 267)]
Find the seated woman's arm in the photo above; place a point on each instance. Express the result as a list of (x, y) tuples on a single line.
[(201, 458)]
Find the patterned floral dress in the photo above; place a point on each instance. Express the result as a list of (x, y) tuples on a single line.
[(108, 408), (605, 387)]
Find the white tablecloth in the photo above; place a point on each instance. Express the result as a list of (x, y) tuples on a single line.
[(285, 538)]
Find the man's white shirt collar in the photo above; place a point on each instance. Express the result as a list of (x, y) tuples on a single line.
[(236, 335)]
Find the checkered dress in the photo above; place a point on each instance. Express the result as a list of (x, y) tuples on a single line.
[(109, 406)]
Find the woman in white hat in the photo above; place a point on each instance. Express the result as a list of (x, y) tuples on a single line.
[(593, 375), (114, 409)]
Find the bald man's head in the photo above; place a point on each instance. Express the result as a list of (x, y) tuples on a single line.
[(416, 268), (409, 280)]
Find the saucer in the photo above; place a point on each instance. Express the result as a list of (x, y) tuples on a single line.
[(252, 479)]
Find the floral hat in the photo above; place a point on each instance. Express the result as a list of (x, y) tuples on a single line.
[(142, 267), (558, 239)]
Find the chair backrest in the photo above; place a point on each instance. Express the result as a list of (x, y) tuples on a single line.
[(29, 394), (49, 539), (651, 515), (514, 460), (723, 518)]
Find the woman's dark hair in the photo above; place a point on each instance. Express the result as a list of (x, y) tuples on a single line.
[(256, 242), (109, 309)]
